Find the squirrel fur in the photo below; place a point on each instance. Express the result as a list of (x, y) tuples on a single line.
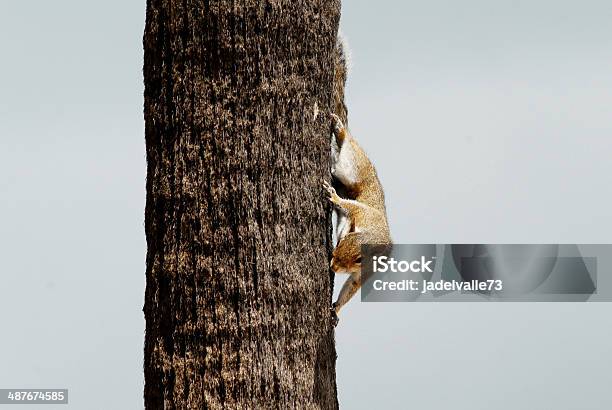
[(361, 211)]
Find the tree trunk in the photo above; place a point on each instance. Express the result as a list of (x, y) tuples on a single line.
[(238, 291)]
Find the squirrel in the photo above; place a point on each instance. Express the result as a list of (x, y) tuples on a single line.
[(362, 215)]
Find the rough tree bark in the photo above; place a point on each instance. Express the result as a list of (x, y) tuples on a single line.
[(238, 291)]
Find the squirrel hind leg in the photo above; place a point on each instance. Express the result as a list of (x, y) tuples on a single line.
[(344, 168), (339, 130)]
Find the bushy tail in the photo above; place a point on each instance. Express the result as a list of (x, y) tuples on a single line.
[(342, 66)]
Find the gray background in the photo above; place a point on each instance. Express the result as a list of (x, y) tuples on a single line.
[(489, 121)]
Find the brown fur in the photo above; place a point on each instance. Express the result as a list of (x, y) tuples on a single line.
[(364, 202)]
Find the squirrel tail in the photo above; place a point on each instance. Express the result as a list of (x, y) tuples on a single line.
[(342, 63)]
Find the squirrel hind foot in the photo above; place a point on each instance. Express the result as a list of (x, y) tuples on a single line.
[(336, 122)]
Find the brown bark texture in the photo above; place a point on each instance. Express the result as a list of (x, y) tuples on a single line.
[(238, 287)]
